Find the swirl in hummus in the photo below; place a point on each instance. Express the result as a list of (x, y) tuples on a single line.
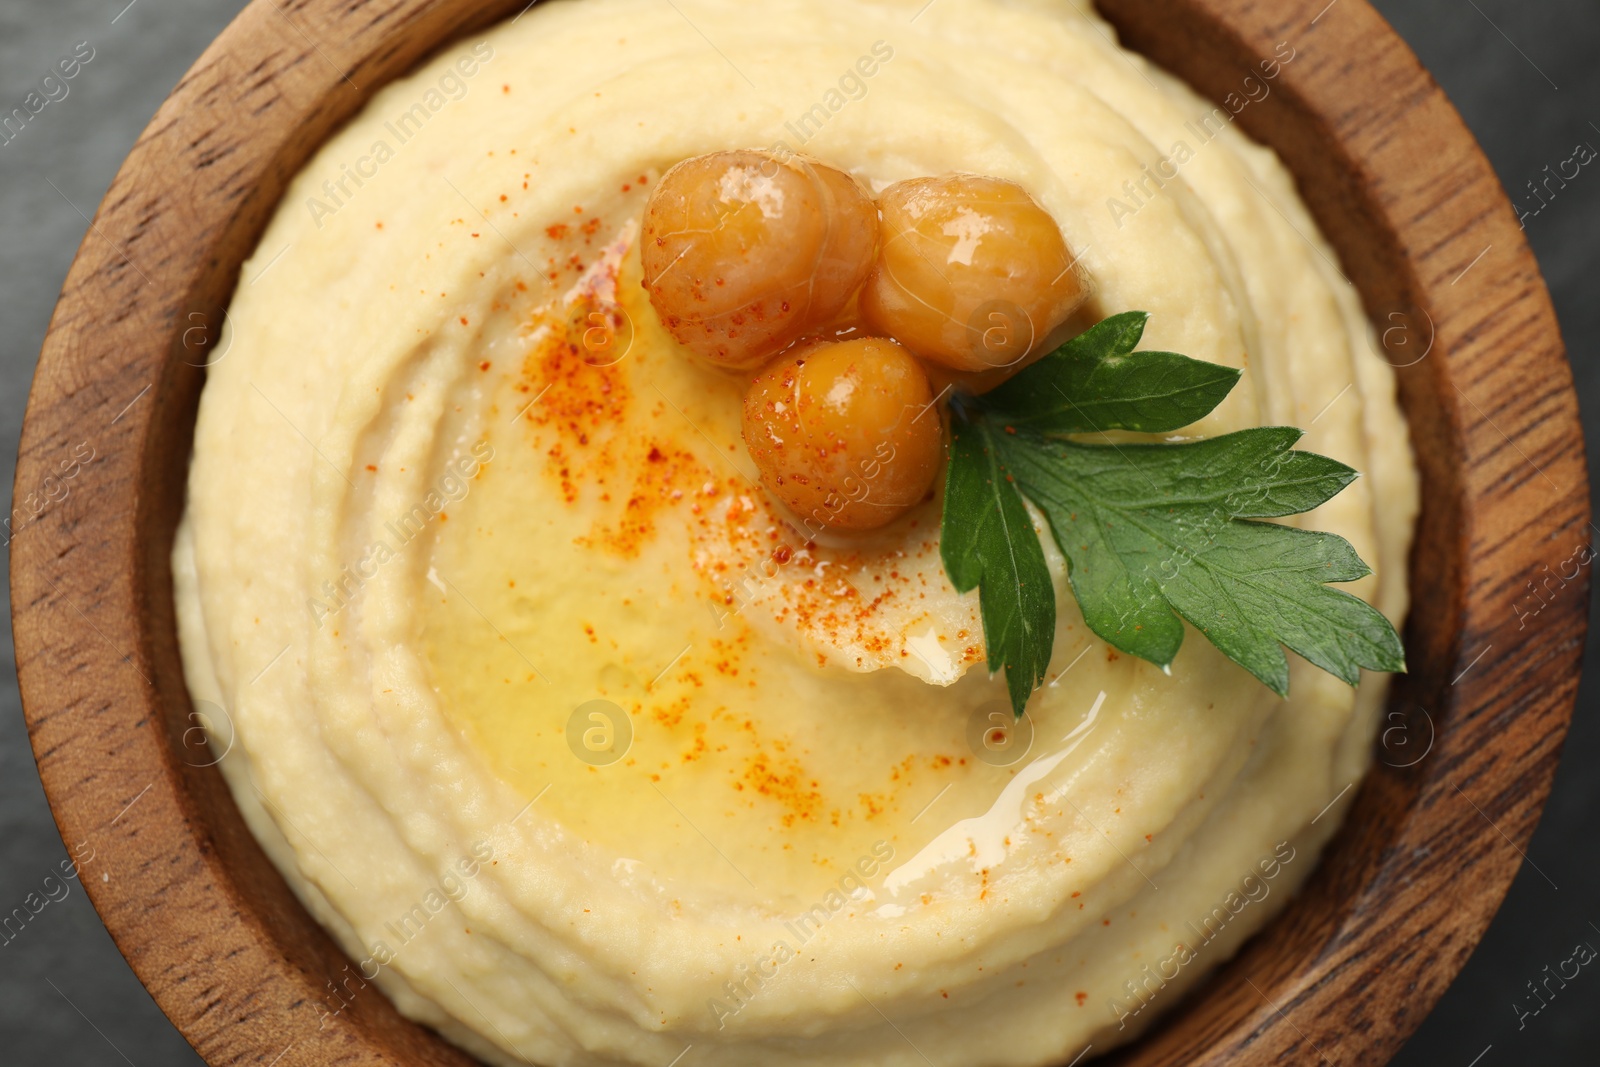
[(454, 484)]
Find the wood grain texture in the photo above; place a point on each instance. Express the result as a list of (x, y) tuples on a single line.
[(1421, 226)]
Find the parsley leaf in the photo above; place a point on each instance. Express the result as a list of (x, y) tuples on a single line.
[(1095, 382), (1149, 530), (987, 541), (1152, 532)]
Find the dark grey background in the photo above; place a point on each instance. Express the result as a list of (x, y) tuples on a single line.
[(1524, 75)]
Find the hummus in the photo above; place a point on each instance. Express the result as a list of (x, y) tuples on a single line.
[(559, 726)]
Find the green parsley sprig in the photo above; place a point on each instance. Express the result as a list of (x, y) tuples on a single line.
[(1153, 533)]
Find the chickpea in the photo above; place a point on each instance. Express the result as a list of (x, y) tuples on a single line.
[(845, 433), (972, 273), (743, 252)]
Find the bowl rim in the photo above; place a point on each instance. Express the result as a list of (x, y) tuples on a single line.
[(208, 925)]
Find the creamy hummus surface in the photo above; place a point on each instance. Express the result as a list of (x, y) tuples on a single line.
[(579, 749)]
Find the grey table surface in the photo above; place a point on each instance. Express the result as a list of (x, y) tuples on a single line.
[(1522, 73)]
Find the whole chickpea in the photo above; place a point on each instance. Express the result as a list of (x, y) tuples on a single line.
[(744, 252), (971, 272), (845, 433)]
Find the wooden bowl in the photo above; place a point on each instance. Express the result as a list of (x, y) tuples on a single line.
[(1398, 184)]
